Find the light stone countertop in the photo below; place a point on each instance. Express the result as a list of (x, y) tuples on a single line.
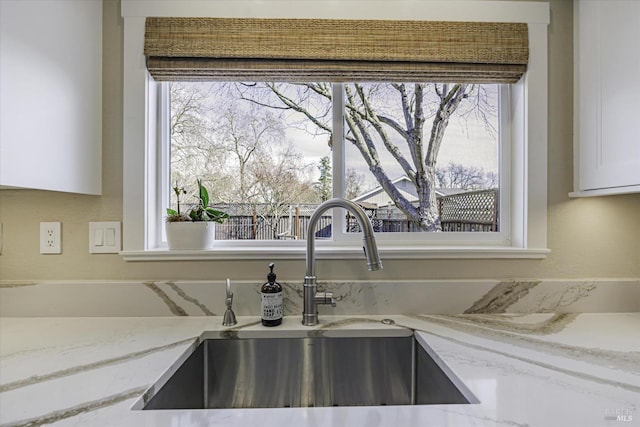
[(525, 369)]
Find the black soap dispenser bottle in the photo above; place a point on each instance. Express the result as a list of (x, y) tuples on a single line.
[(271, 300)]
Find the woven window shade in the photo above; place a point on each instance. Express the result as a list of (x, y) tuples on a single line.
[(335, 50)]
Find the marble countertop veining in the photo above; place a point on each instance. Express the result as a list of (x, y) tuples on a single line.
[(525, 369)]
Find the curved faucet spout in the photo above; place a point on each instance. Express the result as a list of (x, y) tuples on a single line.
[(313, 298), (368, 238)]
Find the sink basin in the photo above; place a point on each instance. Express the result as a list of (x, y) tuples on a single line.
[(306, 372)]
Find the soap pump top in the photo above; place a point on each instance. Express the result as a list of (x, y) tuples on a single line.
[(271, 285), (271, 277)]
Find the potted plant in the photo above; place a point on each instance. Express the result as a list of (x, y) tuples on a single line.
[(194, 229)]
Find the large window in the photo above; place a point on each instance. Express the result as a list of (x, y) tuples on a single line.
[(516, 123), (417, 157)]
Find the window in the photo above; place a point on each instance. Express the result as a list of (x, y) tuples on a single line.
[(522, 227), (271, 151)]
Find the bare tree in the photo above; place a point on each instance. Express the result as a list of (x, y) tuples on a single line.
[(353, 184), (196, 152), (247, 133), (226, 142), (372, 125), (455, 175), (279, 183)]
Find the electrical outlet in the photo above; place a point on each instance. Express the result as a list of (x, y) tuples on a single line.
[(50, 238)]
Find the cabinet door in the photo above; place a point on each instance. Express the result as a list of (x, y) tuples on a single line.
[(608, 93), (51, 95)]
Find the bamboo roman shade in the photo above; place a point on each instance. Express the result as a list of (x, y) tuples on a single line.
[(335, 50)]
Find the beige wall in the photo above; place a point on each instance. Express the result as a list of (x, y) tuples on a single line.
[(596, 237)]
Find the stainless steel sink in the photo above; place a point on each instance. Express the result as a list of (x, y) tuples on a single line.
[(306, 372)]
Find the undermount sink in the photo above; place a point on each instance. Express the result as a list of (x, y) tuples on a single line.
[(306, 372)]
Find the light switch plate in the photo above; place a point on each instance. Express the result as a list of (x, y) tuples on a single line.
[(105, 237)]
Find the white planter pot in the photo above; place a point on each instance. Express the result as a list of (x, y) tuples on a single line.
[(190, 235)]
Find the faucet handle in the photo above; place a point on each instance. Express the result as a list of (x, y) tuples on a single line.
[(229, 299), (325, 298), (229, 318)]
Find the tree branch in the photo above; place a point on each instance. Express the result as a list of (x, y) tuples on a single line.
[(372, 118), (418, 126), (450, 101)]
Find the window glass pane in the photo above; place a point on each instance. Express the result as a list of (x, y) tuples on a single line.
[(423, 157), (264, 163), (418, 157)]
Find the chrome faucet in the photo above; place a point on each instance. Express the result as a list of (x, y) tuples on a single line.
[(311, 296)]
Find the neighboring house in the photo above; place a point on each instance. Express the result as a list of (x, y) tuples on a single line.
[(380, 198)]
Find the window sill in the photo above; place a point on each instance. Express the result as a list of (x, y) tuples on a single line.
[(345, 252)]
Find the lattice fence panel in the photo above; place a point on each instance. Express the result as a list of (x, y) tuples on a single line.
[(471, 211)]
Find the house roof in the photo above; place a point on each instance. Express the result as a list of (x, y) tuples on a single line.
[(379, 189), (405, 187)]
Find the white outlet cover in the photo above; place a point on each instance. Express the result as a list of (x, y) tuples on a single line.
[(50, 238), (105, 237)]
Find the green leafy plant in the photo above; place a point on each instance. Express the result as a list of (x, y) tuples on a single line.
[(199, 212)]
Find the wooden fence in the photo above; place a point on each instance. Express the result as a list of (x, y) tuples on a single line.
[(258, 222), (470, 211)]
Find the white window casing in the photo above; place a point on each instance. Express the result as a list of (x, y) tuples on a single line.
[(525, 157)]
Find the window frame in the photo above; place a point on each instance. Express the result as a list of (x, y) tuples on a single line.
[(527, 111), (427, 239)]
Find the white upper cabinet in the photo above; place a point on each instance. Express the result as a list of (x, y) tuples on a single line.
[(51, 95), (607, 97)]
